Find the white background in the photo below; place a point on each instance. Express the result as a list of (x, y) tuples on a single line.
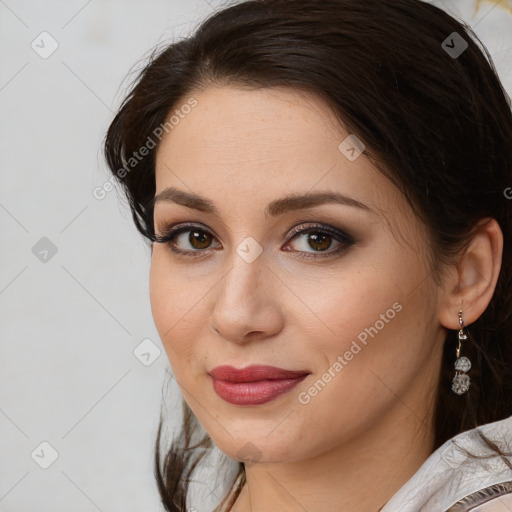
[(69, 326)]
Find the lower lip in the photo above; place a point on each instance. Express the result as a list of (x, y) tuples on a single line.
[(254, 393)]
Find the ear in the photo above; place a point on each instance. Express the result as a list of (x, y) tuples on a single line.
[(470, 283)]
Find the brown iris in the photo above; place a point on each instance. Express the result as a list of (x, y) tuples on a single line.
[(201, 238), (322, 242)]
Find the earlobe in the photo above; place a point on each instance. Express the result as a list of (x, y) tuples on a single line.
[(471, 285)]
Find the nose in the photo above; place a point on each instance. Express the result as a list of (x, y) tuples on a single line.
[(247, 303)]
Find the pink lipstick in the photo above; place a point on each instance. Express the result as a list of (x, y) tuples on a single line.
[(254, 385)]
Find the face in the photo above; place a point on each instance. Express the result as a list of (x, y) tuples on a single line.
[(338, 290)]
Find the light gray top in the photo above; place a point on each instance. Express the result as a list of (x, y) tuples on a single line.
[(451, 481)]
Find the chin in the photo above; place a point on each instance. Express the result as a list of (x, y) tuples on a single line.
[(252, 449)]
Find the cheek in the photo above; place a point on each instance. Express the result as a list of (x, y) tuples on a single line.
[(373, 356), (371, 319), (358, 299), (172, 307), (159, 294), (180, 306)]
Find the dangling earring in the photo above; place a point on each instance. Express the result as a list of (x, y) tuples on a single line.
[(460, 383)]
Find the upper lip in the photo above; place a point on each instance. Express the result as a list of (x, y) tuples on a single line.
[(254, 373)]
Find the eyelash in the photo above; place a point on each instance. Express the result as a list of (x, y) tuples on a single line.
[(169, 233)]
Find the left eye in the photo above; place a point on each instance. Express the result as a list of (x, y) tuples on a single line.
[(318, 238)]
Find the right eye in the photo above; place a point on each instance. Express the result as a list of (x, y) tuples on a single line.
[(198, 239)]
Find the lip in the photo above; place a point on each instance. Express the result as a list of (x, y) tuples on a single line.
[(254, 385)]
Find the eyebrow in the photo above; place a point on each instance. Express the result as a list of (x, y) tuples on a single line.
[(273, 209)]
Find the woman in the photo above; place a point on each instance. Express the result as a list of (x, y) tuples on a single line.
[(326, 189)]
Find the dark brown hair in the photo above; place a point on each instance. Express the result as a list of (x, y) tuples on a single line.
[(438, 125)]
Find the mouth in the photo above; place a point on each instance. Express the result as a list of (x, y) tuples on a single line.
[(254, 385)]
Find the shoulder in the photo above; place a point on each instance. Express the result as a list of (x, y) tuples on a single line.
[(461, 475)]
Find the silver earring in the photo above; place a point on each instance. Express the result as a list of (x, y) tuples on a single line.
[(460, 383)]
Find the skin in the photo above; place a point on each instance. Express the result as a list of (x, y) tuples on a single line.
[(371, 426)]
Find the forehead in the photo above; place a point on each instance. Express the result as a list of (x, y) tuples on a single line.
[(229, 125), (258, 145)]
